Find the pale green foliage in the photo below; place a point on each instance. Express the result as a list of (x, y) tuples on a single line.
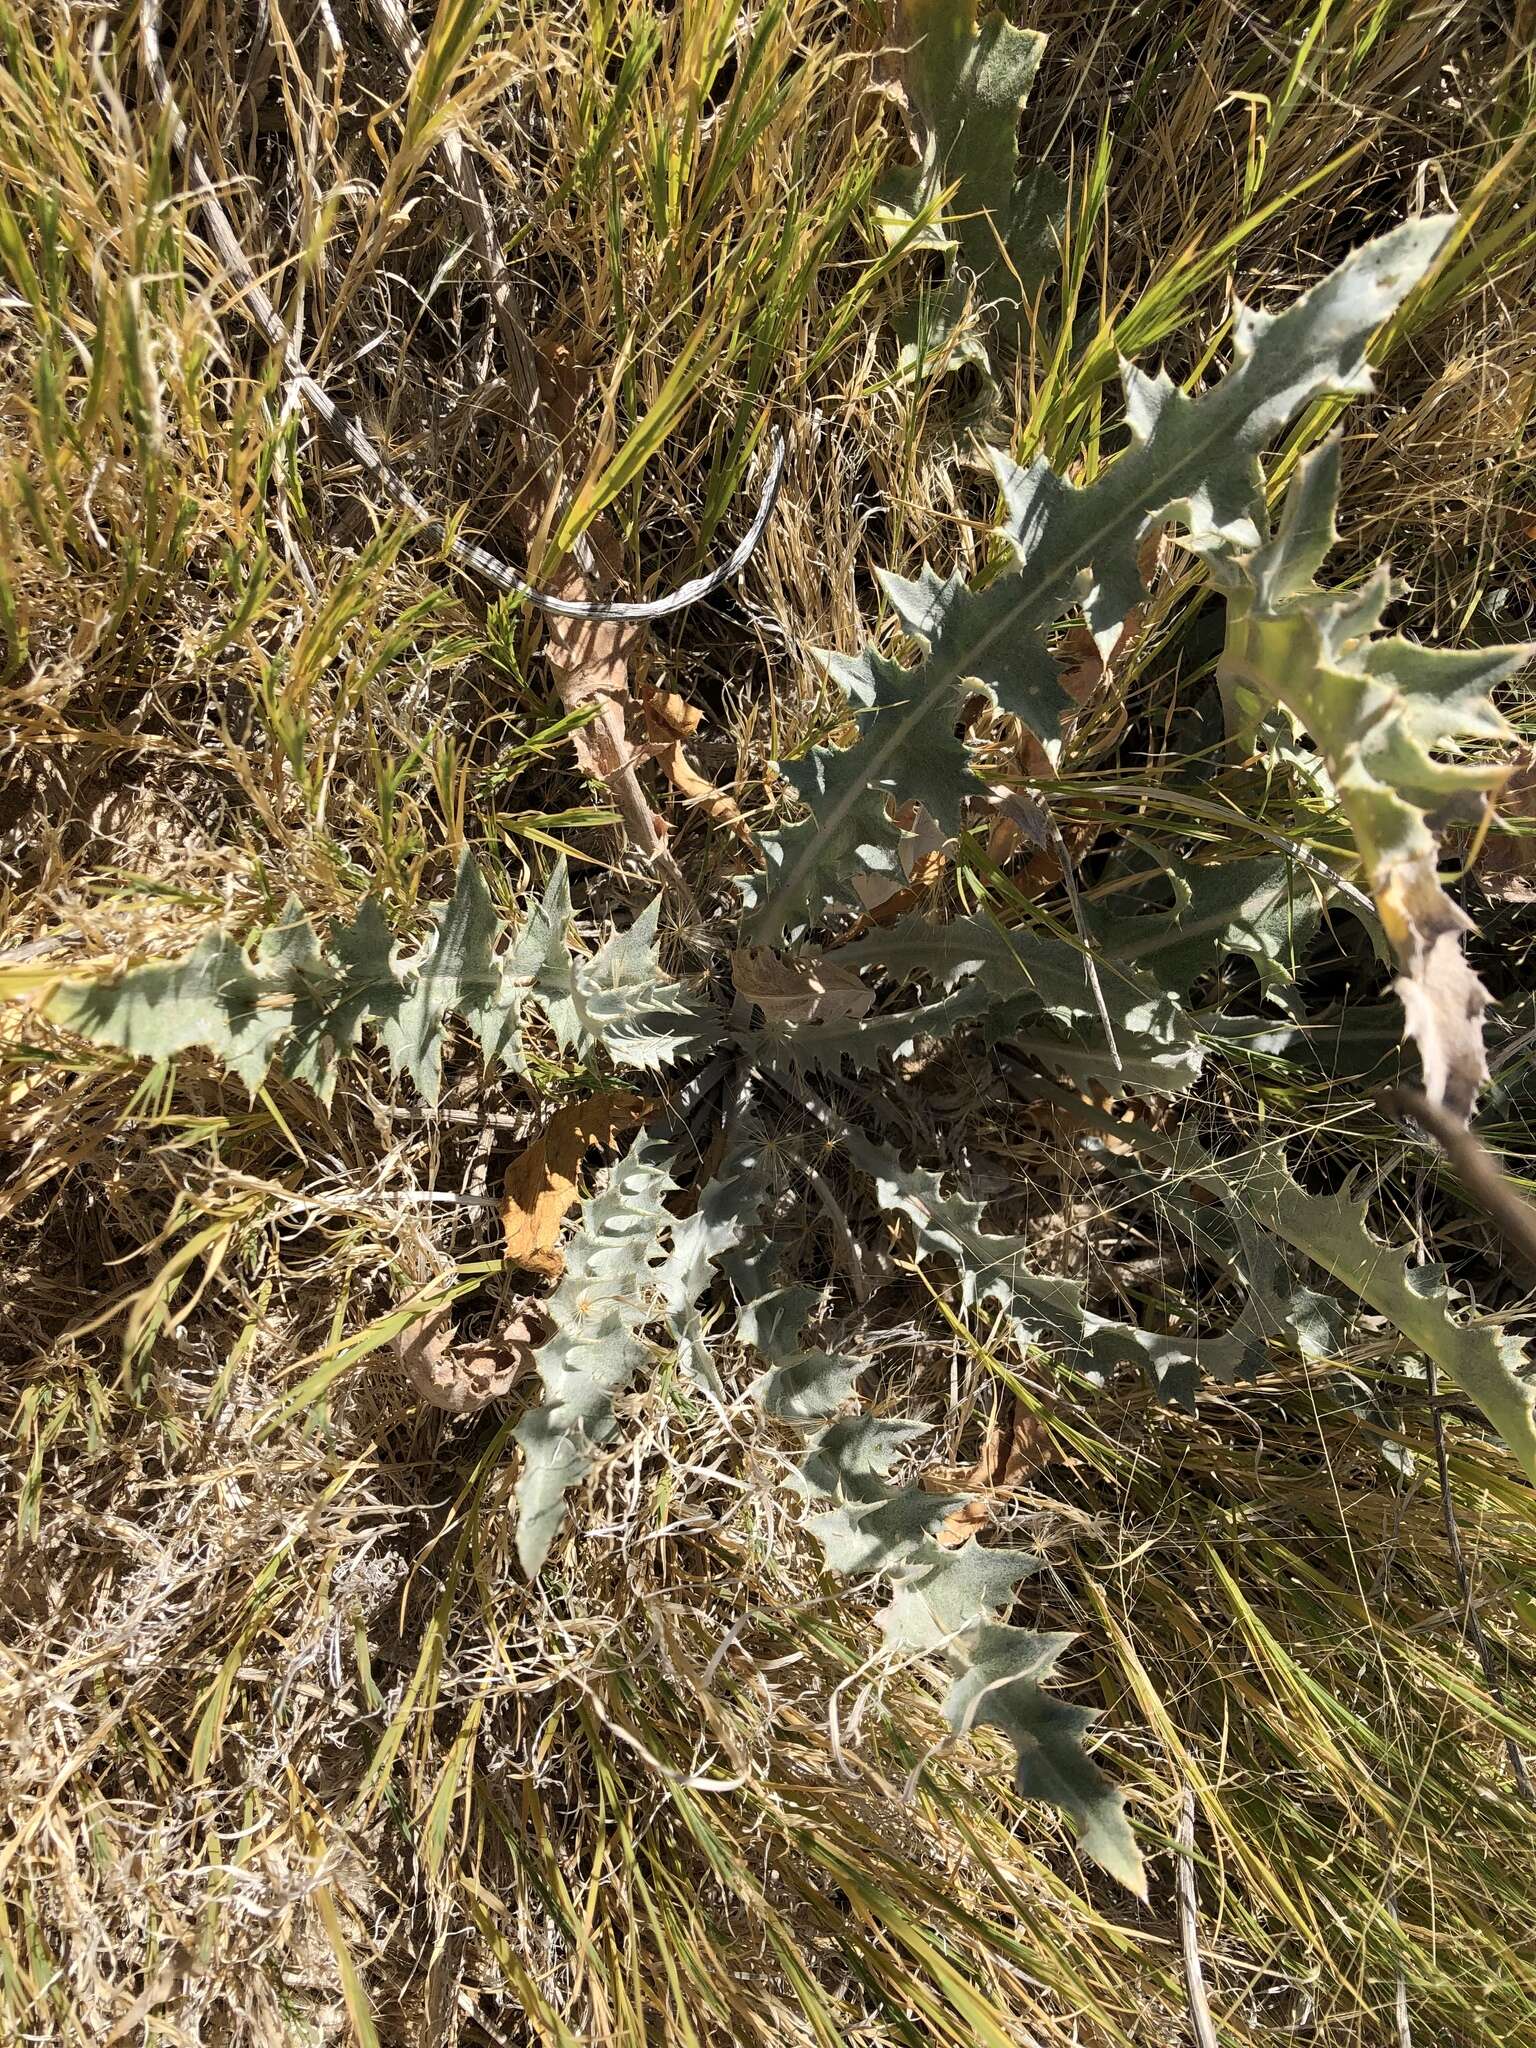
[(1257, 1189), (309, 1002), (607, 1295), (1489, 1367), (1004, 977), (212, 997), (1380, 711), (1190, 459), (940, 1600), (966, 83), (620, 1000), (1038, 1309), (724, 1214), (1054, 998), (1264, 909)]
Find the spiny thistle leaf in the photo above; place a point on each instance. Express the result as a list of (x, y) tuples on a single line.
[(861, 1040), (725, 1214), (1379, 710), (985, 970), (1489, 1367), (1016, 980), (1042, 1308), (967, 83), (621, 1001), (1264, 909), (1190, 459), (1001, 1680), (603, 1302), (940, 1601), (1276, 1306), (348, 983), (310, 1002), (456, 969), (212, 997)]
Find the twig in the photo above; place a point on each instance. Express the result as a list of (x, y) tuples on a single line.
[(423, 1113), (1189, 1925), (1476, 1168), (1472, 1626)]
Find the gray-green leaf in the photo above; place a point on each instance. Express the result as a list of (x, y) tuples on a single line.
[(604, 1300), (1190, 459)]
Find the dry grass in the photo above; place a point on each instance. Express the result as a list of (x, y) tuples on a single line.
[(290, 1752)]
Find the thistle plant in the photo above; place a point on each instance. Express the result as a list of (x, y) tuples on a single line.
[(1375, 718)]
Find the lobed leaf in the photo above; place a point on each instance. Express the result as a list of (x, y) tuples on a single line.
[(1265, 909), (940, 1601), (621, 1001), (724, 1216), (310, 1002), (1019, 982), (1489, 1367), (1257, 1188), (606, 1297), (456, 969), (1383, 713), (215, 997), (1190, 459), (1042, 1309), (967, 82)]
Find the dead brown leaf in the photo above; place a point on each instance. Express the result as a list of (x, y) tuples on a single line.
[(1020, 820), (1443, 999), (1031, 1448), (463, 1376), (1014, 1448), (669, 720), (923, 852), (964, 1522), (671, 713), (589, 658), (542, 1183), (799, 991)]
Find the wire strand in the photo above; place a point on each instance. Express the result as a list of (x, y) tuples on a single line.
[(468, 554)]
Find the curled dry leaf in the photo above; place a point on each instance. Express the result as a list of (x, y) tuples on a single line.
[(589, 658), (1018, 820), (923, 852), (1016, 1446), (964, 1522), (463, 1375), (671, 713), (799, 991), (1443, 999), (542, 1183), (669, 721)]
